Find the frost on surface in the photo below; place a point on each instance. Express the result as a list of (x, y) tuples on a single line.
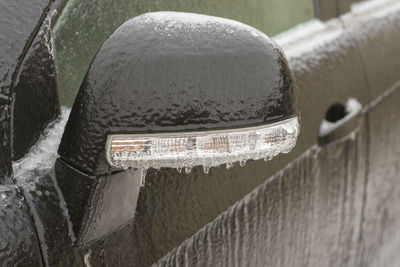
[(207, 148)]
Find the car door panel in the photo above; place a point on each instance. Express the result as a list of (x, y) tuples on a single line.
[(308, 214)]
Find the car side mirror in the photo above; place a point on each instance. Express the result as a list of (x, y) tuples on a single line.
[(171, 89)]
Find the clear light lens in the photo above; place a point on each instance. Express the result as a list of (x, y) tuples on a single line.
[(207, 148)]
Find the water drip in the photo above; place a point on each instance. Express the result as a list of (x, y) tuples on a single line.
[(188, 170), (206, 168), (229, 165), (268, 158), (143, 173), (242, 163)]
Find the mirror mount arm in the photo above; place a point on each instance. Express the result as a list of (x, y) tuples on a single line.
[(98, 205)]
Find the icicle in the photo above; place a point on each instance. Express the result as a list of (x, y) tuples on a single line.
[(179, 169), (109, 171), (242, 163), (188, 169), (229, 165), (267, 158), (206, 168), (124, 166), (86, 258), (143, 173)]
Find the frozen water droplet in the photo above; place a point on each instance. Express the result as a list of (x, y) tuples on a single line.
[(254, 33), (143, 173), (229, 165), (267, 158), (86, 258), (188, 169), (124, 166), (353, 136), (179, 169), (287, 150), (206, 169), (20, 202), (242, 163)]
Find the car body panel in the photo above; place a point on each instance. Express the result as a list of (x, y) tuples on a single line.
[(331, 205), (19, 245)]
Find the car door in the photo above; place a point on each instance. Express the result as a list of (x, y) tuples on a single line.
[(334, 204)]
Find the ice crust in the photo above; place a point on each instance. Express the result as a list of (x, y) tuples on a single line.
[(39, 161), (172, 22), (207, 149), (43, 154), (307, 37)]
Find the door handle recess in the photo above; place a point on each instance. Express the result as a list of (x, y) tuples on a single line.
[(340, 120)]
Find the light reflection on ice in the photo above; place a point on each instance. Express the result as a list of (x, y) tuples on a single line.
[(43, 154), (37, 163)]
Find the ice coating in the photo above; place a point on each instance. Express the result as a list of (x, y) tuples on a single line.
[(36, 164), (44, 153), (86, 259), (307, 37), (207, 148), (190, 72), (191, 22)]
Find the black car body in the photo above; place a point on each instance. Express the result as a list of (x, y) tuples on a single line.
[(331, 201)]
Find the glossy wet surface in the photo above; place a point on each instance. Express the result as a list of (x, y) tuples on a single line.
[(332, 206)]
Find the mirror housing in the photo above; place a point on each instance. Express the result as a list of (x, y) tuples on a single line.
[(166, 72), (175, 72)]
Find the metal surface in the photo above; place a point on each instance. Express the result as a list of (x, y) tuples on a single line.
[(28, 93), (178, 205), (18, 242), (35, 177), (336, 205), (332, 206), (36, 99), (306, 215), (22, 50), (330, 131), (380, 223), (12, 46)]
